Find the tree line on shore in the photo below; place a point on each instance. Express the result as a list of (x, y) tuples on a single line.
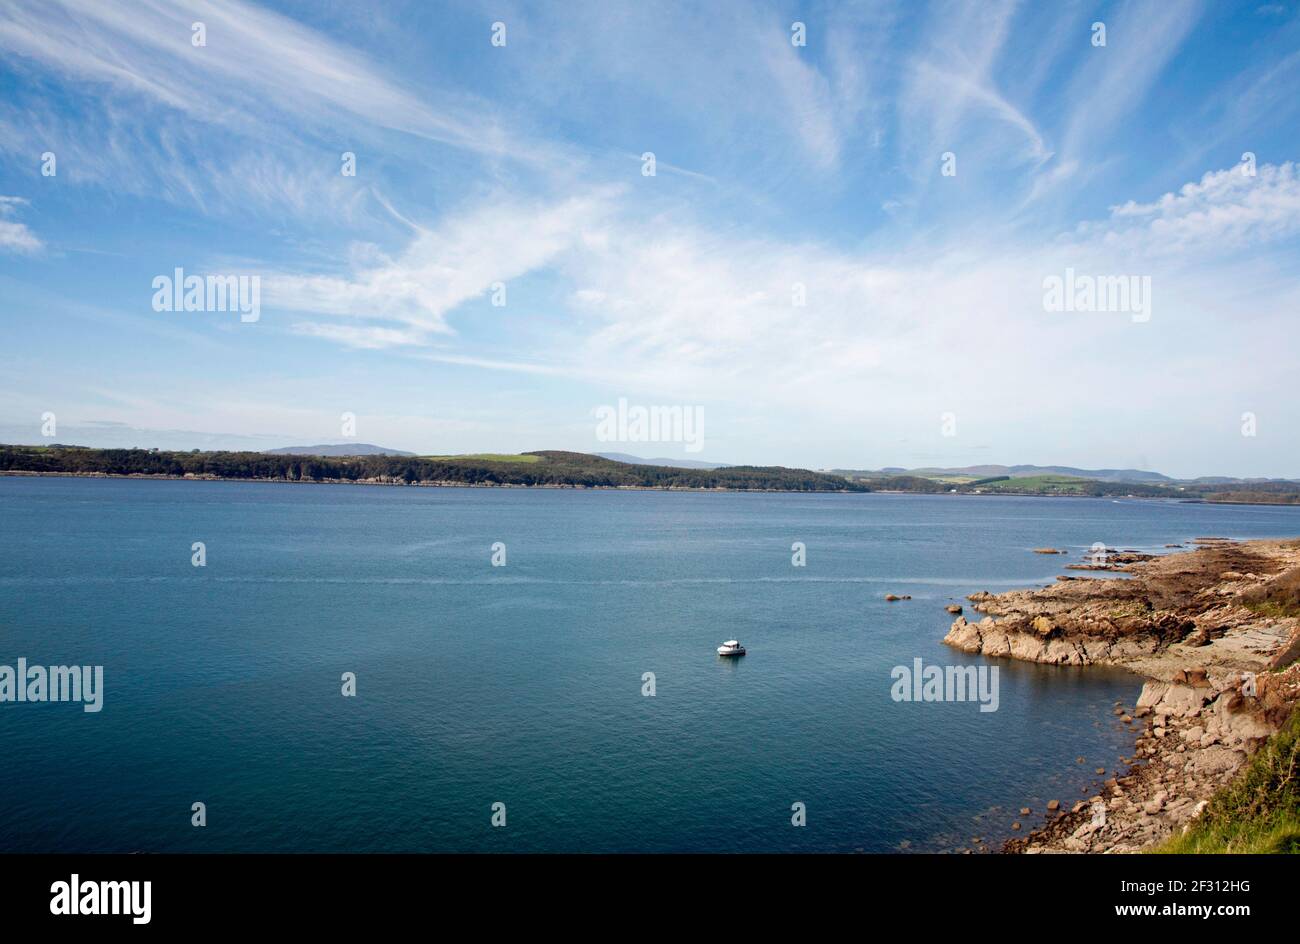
[(553, 468), (574, 469)]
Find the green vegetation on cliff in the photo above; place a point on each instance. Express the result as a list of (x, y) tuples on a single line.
[(1259, 811)]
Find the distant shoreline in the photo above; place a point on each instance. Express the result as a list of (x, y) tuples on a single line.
[(561, 469), (578, 486)]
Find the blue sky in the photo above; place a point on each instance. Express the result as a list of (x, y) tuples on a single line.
[(776, 165)]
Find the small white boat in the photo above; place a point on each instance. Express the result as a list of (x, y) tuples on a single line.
[(731, 647)]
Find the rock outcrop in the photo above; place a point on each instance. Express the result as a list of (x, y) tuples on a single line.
[(1221, 677), (1194, 740)]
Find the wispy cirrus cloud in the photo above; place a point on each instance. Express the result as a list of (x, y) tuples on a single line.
[(255, 64), (1113, 81), (738, 81), (950, 91), (255, 118), (438, 270), (672, 306)]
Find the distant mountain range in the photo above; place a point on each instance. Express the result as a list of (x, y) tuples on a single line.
[(338, 449), (1114, 476), (1016, 472), (1025, 471), (661, 462), (1137, 476)]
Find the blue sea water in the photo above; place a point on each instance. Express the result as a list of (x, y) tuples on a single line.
[(523, 684)]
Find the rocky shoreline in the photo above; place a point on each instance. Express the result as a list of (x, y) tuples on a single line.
[(1220, 669)]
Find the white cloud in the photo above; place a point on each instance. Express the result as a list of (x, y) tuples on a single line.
[(367, 337), (16, 237), (670, 307), (438, 270), (887, 341), (1225, 209)]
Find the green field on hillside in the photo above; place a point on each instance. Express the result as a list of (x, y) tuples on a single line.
[(1046, 484), (526, 458)]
